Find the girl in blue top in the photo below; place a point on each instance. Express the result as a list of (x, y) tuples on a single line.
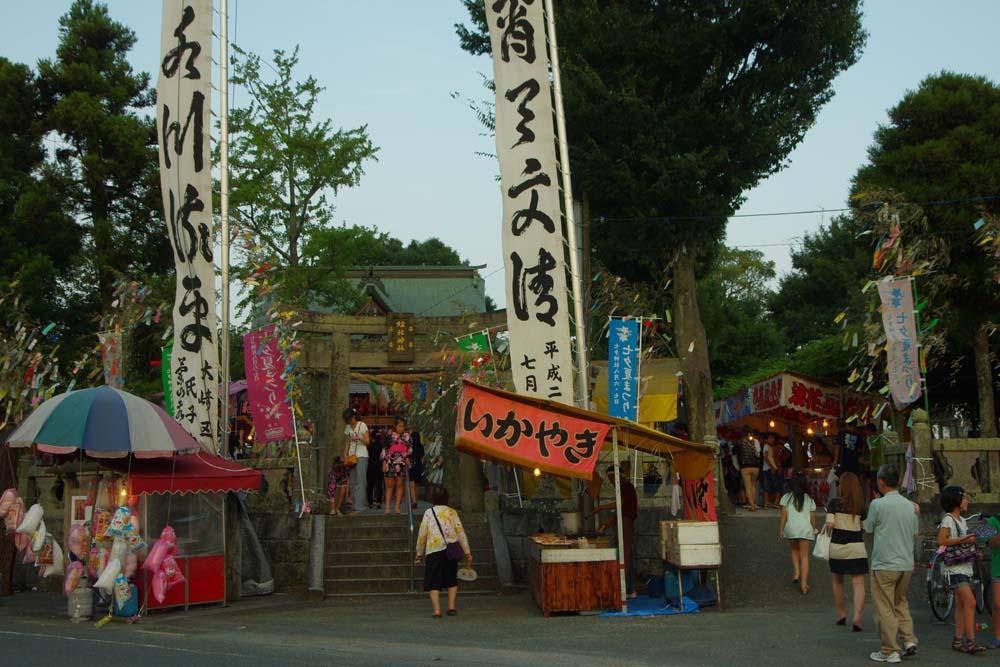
[(798, 526)]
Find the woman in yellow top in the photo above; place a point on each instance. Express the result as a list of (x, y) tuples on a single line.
[(439, 527)]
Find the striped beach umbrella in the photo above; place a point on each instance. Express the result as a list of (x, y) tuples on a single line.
[(104, 422)]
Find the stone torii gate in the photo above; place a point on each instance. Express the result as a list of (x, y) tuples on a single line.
[(399, 344)]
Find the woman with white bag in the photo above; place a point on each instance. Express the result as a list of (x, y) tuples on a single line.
[(848, 556)]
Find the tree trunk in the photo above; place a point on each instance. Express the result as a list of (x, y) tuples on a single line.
[(984, 383), (692, 346)]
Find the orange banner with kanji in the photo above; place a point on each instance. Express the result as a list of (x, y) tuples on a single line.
[(546, 438)]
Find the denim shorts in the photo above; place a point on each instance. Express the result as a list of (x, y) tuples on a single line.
[(772, 482), (957, 580)]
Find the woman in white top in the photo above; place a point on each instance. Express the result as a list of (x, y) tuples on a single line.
[(356, 440), (954, 532), (440, 527)]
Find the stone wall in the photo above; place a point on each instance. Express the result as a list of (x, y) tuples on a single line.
[(283, 535)]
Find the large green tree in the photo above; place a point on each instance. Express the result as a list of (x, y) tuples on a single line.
[(284, 166), (733, 298), (106, 169), (674, 110), (941, 147), (38, 237), (828, 271)]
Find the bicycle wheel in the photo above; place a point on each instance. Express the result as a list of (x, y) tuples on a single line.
[(939, 594)]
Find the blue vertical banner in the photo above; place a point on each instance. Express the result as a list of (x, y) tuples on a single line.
[(623, 369)]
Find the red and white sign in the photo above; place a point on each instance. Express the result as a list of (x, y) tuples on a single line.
[(492, 425)]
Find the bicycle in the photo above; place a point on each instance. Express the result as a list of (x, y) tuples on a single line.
[(940, 594)]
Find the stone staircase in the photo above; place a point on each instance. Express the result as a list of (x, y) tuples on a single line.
[(369, 555)]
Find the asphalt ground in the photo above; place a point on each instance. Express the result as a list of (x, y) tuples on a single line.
[(505, 630)]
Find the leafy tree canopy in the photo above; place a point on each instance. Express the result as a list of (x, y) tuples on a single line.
[(828, 271)]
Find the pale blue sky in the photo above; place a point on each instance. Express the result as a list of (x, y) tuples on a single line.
[(393, 64)]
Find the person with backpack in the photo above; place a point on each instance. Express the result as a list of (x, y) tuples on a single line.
[(748, 455)]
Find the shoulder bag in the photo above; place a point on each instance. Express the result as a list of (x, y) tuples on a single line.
[(453, 550), (959, 554)]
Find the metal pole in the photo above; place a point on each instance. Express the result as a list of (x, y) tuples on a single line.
[(638, 372), (920, 349), (224, 211), (298, 459), (583, 397), (618, 518)]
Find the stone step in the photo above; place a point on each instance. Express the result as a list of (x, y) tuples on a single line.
[(475, 535), (400, 544), (400, 571), (366, 532), (388, 557), (340, 588)]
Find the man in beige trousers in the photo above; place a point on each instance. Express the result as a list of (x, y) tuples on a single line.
[(894, 523)]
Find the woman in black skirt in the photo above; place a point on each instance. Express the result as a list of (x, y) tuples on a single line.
[(440, 527), (848, 555)]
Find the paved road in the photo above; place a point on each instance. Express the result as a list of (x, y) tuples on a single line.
[(503, 630)]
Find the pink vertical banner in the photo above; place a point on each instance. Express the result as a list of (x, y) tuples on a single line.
[(272, 415), (902, 346)]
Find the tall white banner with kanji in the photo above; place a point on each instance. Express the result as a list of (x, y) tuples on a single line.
[(183, 122), (538, 302)]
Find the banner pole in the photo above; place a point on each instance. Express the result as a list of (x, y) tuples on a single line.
[(921, 355), (224, 215), (618, 520), (582, 398)]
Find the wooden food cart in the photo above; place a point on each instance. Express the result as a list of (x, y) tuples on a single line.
[(564, 440), (574, 579)]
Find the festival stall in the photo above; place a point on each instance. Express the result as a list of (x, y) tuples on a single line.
[(129, 533), (800, 410), (565, 441)]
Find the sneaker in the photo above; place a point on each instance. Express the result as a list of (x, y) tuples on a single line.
[(879, 656), (910, 650), (993, 643)]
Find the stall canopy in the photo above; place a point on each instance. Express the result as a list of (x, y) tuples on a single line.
[(557, 438), (187, 473), (793, 398), (657, 389)]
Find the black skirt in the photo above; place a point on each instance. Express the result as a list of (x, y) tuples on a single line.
[(439, 572)]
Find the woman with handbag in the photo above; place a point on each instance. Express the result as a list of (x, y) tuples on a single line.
[(356, 439), (848, 555), (959, 554), (441, 543)]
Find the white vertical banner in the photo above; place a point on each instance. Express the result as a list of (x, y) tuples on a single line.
[(183, 123), (537, 299)]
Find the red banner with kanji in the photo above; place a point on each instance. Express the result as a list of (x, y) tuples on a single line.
[(271, 412), (505, 429), (699, 498)]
